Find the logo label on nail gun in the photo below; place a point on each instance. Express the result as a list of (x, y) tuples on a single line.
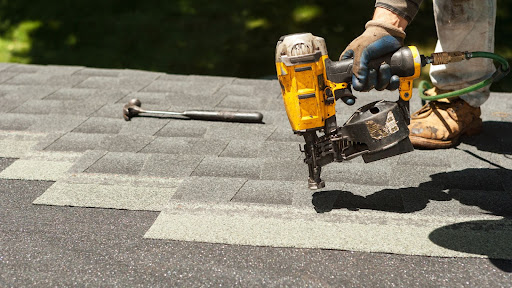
[(378, 131)]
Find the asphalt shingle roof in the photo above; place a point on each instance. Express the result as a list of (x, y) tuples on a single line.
[(72, 116)]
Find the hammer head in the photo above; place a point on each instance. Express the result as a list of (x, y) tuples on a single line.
[(132, 109)]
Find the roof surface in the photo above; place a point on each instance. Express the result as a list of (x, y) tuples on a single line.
[(246, 184)]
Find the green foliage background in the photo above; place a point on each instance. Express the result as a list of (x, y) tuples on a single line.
[(228, 38)]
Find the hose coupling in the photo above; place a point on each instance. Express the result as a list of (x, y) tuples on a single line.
[(447, 57)]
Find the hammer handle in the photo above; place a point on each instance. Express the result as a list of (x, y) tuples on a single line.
[(229, 116)]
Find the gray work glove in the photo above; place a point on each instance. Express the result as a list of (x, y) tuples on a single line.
[(378, 39)]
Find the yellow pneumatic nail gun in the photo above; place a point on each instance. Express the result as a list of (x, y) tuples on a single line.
[(311, 83)]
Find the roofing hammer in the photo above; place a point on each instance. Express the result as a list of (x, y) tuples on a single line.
[(133, 109)]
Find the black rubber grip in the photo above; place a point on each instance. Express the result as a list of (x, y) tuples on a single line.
[(401, 62), (227, 116)]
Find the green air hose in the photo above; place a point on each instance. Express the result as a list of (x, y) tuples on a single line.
[(501, 72)]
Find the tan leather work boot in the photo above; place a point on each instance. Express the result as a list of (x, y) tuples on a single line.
[(440, 124)]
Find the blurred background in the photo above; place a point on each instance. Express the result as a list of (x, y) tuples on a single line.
[(225, 38)]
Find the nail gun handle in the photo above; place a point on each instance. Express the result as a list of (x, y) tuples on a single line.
[(228, 116), (404, 63)]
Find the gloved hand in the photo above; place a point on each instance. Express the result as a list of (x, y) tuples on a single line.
[(379, 39)]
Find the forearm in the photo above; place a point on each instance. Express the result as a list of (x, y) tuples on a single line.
[(391, 18), (406, 9)]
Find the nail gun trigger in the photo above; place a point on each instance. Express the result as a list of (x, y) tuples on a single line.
[(345, 95), (329, 96)]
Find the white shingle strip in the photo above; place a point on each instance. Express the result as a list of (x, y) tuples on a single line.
[(16, 144), (371, 231), (14, 148), (107, 196), (36, 170), (122, 180)]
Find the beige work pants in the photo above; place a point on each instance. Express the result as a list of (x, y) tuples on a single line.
[(464, 25)]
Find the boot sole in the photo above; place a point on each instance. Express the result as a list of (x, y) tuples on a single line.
[(424, 143)]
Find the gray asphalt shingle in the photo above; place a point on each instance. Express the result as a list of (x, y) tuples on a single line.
[(46, 79), (363, 174), (229, 167), (197, 79), (142, 126), (89, 95), (228, 131), (266, 192), (174, 166), (424, 158), (99, 72), (187, 146), (80, 109), (6, 162), (10, 104), (59, 69), (238, 90), (110, 111), (13, 121), (268, 87), (124, 143), (407, 176), (285, 134), (119, 163), (86, 160), (276, 104), (4, 76), (284, 170), (21, 92), (125, 83), (277, 118), (184, 87), (184, 101), (24, 68), (209, 189), (74, 115), (56, 123), (78, 142), (262, 149), (148, 99), (242, 103), (97, 125), (183, 128)]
